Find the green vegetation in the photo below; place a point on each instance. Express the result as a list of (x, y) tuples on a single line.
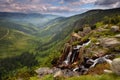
[(26, 43), (82, 77), (96, 77), (10, 66)]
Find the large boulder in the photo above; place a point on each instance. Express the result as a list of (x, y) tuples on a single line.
[(115, 66), (109, 42), (115, 28)]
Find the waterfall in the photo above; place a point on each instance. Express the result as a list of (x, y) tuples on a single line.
[(85, 44), (75, 52), (68, 58), (73, 57), (78, 47)]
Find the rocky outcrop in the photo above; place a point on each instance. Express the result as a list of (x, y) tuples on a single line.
[(109, 42), (57, 72), (67, 49), (115, 29), (82, 55), (86, 30)]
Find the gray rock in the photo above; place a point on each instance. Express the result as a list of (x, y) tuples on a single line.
[(115, 28), (109, 42), (66, 73), (44, 71), (69, 73), (115, 66)]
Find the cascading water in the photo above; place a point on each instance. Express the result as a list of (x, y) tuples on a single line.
[(74, 52), (78, 47), (68, 58), (85, 44)]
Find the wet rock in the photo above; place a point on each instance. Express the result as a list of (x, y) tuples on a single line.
[(80, 56), (109, 42), (115, 66), (115, 28)]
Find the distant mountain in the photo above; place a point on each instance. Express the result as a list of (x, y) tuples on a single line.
[(42, 35), (62, 28), (78, 21), (36, 19)]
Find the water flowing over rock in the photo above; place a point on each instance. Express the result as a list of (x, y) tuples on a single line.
[(82, 56)]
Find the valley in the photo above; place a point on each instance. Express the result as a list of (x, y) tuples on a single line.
[(30, 41)]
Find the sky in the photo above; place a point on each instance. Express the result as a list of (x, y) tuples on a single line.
[(56, 7)]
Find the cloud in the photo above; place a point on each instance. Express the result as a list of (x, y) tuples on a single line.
[(34, 6), (55, 6), (109, 4)]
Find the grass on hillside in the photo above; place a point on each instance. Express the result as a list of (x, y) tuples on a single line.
[(15, 43), (82, 77)]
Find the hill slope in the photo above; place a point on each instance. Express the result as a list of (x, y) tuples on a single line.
[(22, 33)]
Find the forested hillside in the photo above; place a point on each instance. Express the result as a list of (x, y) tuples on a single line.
[(39, 39)]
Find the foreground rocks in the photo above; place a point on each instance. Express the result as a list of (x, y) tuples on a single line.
[(109, 42), (115, 66), (87, 52), (57, 72), (44, 71)]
